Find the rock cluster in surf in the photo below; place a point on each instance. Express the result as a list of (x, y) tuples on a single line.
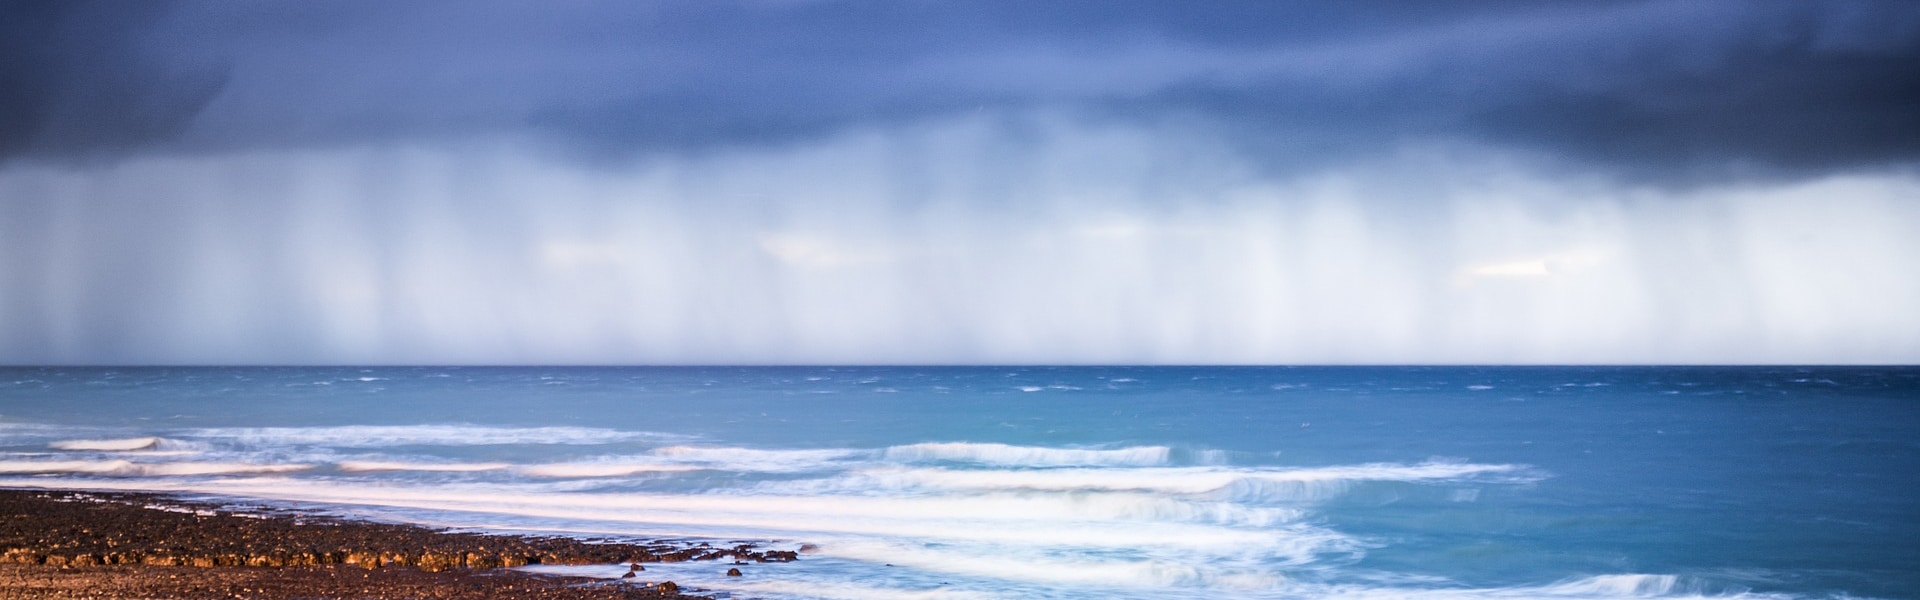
[(80, 529)]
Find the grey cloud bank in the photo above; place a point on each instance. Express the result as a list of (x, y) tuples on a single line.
[(825, 182), (1670, 88)]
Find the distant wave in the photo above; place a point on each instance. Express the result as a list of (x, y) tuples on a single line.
[(554, 470), (374, 465), (793, 460), (124, 468), (368, 436), (601, 469), (145, 447), (1305, 484), (119, 445), (755, 459), (1003, 454)]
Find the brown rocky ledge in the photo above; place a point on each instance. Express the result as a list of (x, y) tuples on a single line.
[(60, 544)]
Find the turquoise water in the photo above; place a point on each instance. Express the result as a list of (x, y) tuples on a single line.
[(1070, 482)]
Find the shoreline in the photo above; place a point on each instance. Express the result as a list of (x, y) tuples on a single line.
[(57, 543)]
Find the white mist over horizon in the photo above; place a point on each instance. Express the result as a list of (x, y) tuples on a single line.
[(962, 241)]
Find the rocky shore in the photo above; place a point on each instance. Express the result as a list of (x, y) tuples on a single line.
[(63, 544)]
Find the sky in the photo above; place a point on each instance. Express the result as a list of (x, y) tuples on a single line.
[(1017, 182)]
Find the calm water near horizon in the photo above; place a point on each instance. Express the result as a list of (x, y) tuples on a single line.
[(1063, 482)]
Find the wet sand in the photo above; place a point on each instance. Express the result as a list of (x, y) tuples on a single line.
[(64, 544)]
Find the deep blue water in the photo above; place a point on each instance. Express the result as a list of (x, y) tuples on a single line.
[(1069, 482)]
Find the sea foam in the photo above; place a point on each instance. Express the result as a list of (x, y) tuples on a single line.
[(375, 465), (124, 468), (599, 469), (756, 459), (1278, 483), (1003, 454), (117, 445), (369, 436)]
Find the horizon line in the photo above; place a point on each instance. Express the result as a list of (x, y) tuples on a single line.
[(920, 365)]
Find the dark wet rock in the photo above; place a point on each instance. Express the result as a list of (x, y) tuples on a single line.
[(38, 582), (84, 532), (101, 529), (734, 572)]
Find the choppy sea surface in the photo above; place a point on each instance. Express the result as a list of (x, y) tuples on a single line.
[(1070, 482)]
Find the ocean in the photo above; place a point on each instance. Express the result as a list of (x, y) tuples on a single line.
[(1061, 482)]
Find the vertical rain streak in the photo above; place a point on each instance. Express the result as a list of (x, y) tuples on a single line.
[(955, 242)]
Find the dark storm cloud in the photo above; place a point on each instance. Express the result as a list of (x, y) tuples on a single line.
[(1661, 87), (78, 78)]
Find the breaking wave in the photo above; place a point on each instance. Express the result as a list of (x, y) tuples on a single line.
[(1003, 454), (996, 520), (372, 465), (373, 436), (119, 445), (125, 468), (1295, 484)]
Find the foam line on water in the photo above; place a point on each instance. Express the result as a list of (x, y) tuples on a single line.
[(548, 470), (1625, 584), (369, 436), (1035, 456), (927, 519), (1313, 483), (376, 465), (761, 460), (935, 518), (144, 446), (843, 591), (1073, 504), (111, 445), (1147, 570), (1621, 586), (789, 582), (126, 468), (1137, 560), (599, 469)]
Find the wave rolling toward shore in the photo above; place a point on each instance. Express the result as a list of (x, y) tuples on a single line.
[(944, 519)]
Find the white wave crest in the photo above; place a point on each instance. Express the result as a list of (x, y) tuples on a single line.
[(1033, 456), (1154, 571), (588, 470), (1076, 504), (370, 436), (1631, 584), (1207, 457), (125, 468), (1601, 587), (117, 445), (1244, 483), (754, 459), (375, 465), (1013, 521), (843, 591)]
